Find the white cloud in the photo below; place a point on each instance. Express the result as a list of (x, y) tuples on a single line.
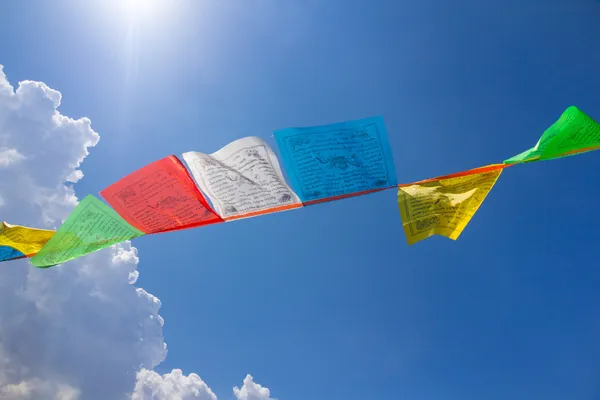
[(176, 386), (173, 385), (39, 390), (79, 331), (251, 390), (9, 157)]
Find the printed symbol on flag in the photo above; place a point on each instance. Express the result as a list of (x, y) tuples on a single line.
[(424, 224), (126, 194), (253, 153), (341, 162), (230, 209), (168, 202), (286, 198)]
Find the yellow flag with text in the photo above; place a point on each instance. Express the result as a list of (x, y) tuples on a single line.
[(444, 205), (20, 241)]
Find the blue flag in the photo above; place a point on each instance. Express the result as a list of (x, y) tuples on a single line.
[(340, 159), (8, 253)]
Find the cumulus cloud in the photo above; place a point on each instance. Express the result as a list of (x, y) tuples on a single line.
[(252, 391), (173, 385), (81, 330)]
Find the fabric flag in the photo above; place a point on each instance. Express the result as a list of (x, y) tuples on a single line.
[(160, 197), (444, 205), (573, 133), (8, 254), (90, 227), (20, 241), (338, 160), (242, 179)]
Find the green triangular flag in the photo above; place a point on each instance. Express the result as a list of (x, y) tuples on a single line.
[(90, 227), (573, 133)]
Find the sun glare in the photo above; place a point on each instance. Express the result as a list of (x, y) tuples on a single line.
[(140, 9)]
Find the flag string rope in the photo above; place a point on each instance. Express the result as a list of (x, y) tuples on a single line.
[(244, 179)]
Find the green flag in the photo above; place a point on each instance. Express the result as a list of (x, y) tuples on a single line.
[(573, 133), (91, 226)]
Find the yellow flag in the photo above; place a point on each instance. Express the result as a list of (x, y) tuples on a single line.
[(25, 240), (444, 205)]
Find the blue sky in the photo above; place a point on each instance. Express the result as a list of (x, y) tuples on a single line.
[(329, 302)]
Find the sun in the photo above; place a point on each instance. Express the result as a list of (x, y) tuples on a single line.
[(140, 9)]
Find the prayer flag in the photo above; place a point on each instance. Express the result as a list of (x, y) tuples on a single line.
[(242, 179), (90, 227), (160, 197), (444, 205), (573, 133), (338, 160), (24, 241)]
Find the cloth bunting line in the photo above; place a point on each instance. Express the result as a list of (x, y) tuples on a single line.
[(244, 179)]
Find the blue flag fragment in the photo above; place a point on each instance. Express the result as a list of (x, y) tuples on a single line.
[(335, 160), (8, 253)]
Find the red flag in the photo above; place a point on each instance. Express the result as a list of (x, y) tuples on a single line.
[(160, 197)]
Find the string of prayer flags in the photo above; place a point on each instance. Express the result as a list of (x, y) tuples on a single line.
[(90, 227), (444, 205), (242, 179), (160, 197), (337, 160), (20, 241), (574, 132)]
